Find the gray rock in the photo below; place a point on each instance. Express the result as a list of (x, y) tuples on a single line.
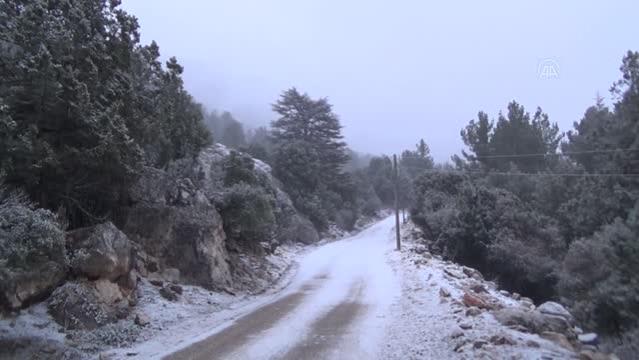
[(180, 232), (176, 288), (457, 333), (466, 326), (142, 319), (532, 321), (443, 292), (555, 309), (473, 311), (168, 294), (100, 251), (86, 305)]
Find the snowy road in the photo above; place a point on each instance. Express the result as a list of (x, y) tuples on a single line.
[(335, 308)]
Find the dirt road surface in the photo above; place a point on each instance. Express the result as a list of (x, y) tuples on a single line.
[(334, 308)]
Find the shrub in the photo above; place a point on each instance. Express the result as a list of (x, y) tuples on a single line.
[(27, 235), (599, 276), (248, 216), (490, 229)]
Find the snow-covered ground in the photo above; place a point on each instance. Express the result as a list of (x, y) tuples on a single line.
[(430, 321), (355, 298)]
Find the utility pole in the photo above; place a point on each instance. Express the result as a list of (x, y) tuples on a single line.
[(396, 188)]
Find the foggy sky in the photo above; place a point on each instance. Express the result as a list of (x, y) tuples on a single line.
[(395, 71)]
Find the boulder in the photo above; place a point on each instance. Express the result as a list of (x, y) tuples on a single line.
[(475, 300), (532, 321), (502, 340), (168, 293), (176, 288), (100, 252), (142, 319), (555, 309), (472, 273), (87, 305), (473, 311), (443, 292), (32, 256)]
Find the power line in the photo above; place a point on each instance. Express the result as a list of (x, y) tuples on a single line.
[(463, 172), (565, 153)]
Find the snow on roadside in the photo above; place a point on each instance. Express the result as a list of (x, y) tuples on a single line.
[(198, 312), (431, 322)]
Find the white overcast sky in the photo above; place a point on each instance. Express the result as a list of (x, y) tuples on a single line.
[(395, 71)]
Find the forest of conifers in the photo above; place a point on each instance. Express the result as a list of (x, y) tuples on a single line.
[(84, 106)]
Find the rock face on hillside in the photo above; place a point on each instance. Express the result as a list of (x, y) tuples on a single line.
[(290, 225), (174, 218), (174, 222)]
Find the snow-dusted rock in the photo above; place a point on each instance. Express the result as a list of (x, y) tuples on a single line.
[(100, 251), (141, 319), (556, 309), (83, 305), (181, 232), (532, 321)]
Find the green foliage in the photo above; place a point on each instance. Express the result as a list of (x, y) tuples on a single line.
[(238, 168), (490, 229), (609, 260), (309, 156), (517, 133), (27, 235), (83, 106), (248, 216)]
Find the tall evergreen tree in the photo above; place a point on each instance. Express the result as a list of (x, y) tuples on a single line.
[(309, 154)]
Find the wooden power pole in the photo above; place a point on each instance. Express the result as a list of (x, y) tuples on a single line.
[(396, 191)]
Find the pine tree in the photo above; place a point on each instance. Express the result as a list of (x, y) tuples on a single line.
[(309, 155)]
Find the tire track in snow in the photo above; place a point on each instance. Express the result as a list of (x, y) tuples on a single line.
[(247, 327), (331, 328)]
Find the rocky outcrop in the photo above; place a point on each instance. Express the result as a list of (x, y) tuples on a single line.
[(290, 225), (175, 223), (99, 252), (32, 255), (174, 217)]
